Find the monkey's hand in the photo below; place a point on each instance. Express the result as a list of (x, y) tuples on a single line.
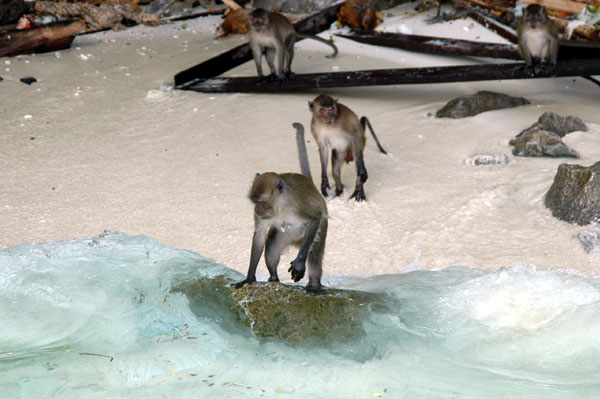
[(297, 268)]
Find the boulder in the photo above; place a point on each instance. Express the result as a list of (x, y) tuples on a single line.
[(560, 125), (575, 194), (474, 104), (541, 143), (287, 313)]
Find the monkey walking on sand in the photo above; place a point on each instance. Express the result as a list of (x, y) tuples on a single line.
[(538, 37), (288, 210), (336, 127), (274, 36)]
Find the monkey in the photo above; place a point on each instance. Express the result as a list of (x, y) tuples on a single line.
[(335, 126), (538, 37), (273, 35), (288, 210)]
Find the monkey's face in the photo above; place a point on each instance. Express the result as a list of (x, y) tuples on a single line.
[(327, 114), (265, 192), (535, 15), (258, 20)]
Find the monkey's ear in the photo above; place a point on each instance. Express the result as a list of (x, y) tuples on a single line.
[(310, 106), (280, 185)]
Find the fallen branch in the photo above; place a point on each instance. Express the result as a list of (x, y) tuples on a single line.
[(312, 24), (51, 37), (381, 77)]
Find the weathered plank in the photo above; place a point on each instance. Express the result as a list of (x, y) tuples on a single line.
[(312, 24), (436, 45), (381, 77), (51, 37)]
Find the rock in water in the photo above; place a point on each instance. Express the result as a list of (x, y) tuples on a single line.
[(295, 317), (575, 194), (474, 104), (541, 143), (287, 313)]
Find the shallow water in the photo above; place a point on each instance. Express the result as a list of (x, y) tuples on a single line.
[(69, 306)]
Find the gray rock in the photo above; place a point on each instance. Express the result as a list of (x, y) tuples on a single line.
[(286, 313), (541, 143), (474, 104), (561, 125), (590, 241), (575, 194)]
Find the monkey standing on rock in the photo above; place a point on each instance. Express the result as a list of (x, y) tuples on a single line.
[(273, 35), (288, 209), (538, 37), (334, 126)]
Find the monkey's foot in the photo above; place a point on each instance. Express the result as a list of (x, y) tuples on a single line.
[(297, 269), (274, 279), (339, 192), (290, 75), (244, 282), (315, 289), (324, 188), (358, 196)]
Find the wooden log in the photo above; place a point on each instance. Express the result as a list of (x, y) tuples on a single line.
[(41, 39), (381, 77), (569, 49), (436, 45), (312, 24)]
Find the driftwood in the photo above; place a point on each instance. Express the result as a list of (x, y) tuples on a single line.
[(380, 77), (427, 44), (493, 25), (312, 24), (51, 37), (107, 15)]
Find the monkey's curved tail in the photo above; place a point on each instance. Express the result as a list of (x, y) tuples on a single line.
[(365, 122), (320, 39), (302, 155)]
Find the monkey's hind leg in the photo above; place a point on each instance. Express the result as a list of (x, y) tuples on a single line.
[(275, 244), (361, 178), (289, 56), (315, 258), (337, 160), (270, 56)]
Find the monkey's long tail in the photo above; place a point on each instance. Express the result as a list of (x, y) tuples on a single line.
[(302, 155), (364, 121), (320, 39)]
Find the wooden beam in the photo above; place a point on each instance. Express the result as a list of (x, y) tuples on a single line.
[(312, 24), (381, 77), (436, 45), (569, 49)]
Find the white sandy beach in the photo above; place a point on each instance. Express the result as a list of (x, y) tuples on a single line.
[(101, 142)]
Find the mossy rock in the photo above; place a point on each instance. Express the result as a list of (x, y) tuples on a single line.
[(283, 312), (477, 103), (541, 143)]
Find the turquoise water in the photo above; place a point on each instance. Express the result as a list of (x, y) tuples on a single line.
[(95, 318)]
